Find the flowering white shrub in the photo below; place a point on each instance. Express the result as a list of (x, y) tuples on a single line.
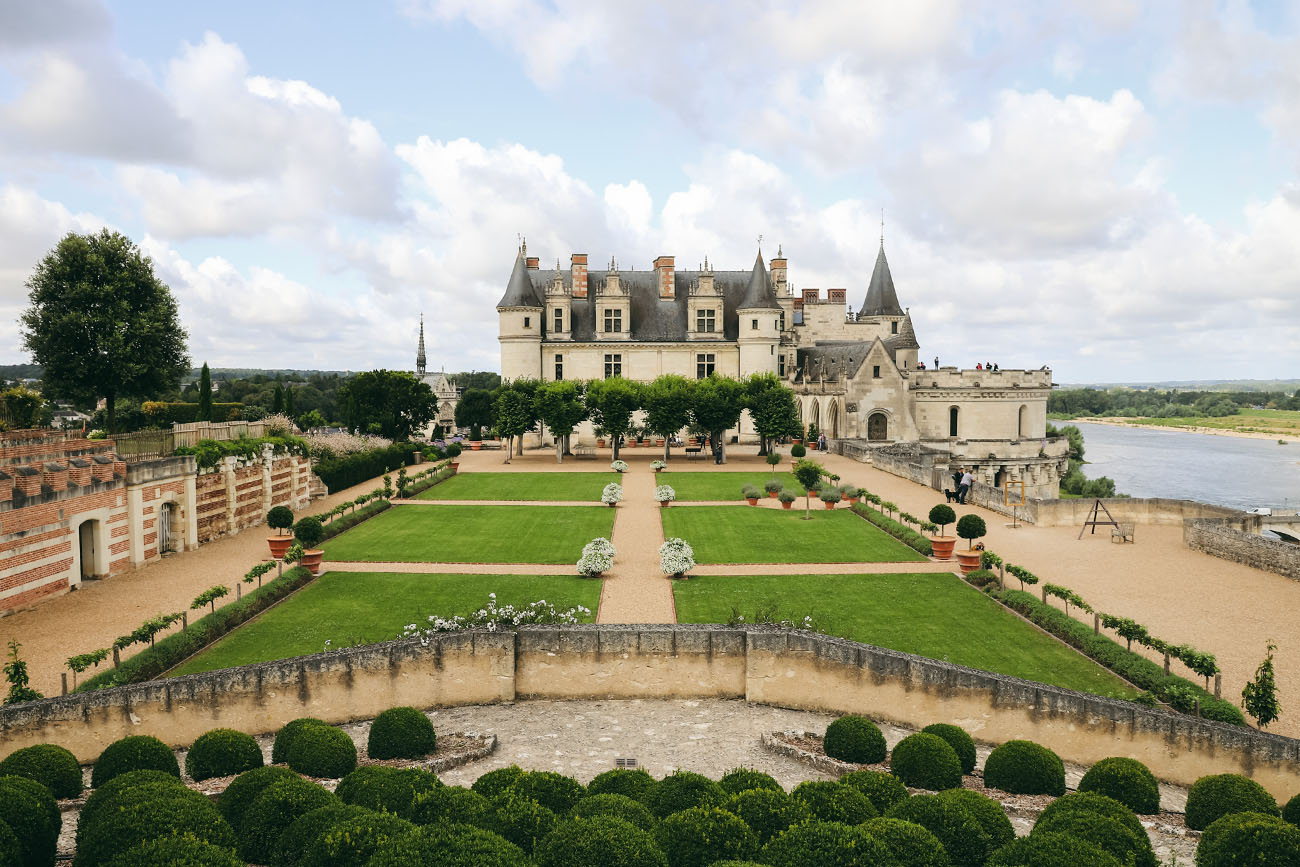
[(597, 557), (612, 494), (278, 425), (665, 494), (618, 466), (493, 618), (657, 465), (337, 444), (676, 557)]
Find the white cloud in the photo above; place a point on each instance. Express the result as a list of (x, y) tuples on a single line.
[(45, 22), (1067, 61)]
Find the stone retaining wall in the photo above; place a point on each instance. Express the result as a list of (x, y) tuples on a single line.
[(795, 670), (1238, 540)]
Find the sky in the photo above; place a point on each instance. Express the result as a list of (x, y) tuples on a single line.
[(1109, 187)]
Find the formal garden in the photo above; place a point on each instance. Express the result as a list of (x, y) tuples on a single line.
[(732, 534)]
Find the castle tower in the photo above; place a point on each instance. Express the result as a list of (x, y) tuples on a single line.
[(759, 317), (419, 353), (906, 349), (520, 314), (881, 302)]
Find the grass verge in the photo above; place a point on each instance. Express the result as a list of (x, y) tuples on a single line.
[(576, 487), (741, 534)]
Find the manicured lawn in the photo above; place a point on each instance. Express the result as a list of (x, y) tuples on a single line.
[(744, 534), (351, 608), (721, 486), (522, 486), (935, 615), (473, 534)]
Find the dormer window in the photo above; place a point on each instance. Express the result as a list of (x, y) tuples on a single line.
[(613, 321), (706, 321), (559, 320)]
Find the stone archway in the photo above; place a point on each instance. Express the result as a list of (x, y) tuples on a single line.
[(833, 420), (877, 427), (814, 416), (1023, 426)]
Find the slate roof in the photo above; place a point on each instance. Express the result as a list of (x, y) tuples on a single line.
[(758, 292), (907, 334), (881, 298), (842, 359), (520, 291)]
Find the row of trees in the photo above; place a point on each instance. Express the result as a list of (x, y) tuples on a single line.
[(709, 406), (1154, 403)]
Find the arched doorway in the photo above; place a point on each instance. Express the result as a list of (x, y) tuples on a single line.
[(877, 427), (952, 421), (86, 548), (1023, 426), (833, 420), (814, 419), (166, 526)]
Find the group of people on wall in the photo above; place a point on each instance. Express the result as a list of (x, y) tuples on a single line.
[(958, 485)]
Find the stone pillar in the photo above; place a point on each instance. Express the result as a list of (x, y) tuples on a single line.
[(191, 511), (228, 474), (268, 465), (135, 522)]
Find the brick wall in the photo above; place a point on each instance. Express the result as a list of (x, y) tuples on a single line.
[(236, 495)]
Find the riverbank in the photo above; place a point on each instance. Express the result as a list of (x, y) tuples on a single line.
[(1151, 425)]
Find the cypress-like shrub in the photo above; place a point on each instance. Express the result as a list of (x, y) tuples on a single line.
[(52, 766), (1089, 804), (599, 841), (961, 834), (1291, 812), (323, 751), (496, 782), (1025, 768), (1126, 845), (926, 762), (961, 743), (701, 835), (133, 753), (1218, 795), (448, 805), (882, 789), (1249, 838), (682, 790), (143, 816), (354, 842), (1051, 850), (833, 802), (244, 789), (285, 736), (31, 812), (632, 782), (618, 806), (401, 733), (222, 753), (909, 843), (384, 789), (274, 811), (988, 812), (449, 846), (108, 792), (767, 812), (300, 836), (1126, 780), (743, 779), (553, 791), (520, 820), (824, 844), (177, 852), (855, 739)]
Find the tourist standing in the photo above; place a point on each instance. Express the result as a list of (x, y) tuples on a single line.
[(964, 488), (821, 442), (936, 362)]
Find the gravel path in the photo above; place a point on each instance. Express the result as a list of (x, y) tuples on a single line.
[(635, 591)]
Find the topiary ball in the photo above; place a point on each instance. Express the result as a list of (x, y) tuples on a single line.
[(599, 841), (1127, 781), (10, 848), (109, 791), (323, 751), (1111, 835), (245, 788), (144, 813), (52, 766), (401, 733), (744, 779), (284, 737), (448, 805), (833, 802), (701, 835), (962, 836), (1291, 812), (384, 789), (618, 806), (882, 789), (855, 739), (682, 790), (177, 852), (1051, 850), (133, 753), (31, 812), (300, 836), (1025, 768), (1249, 838), (824, 844), (274, 811), (909, 843), (354, 842), (632, 782), (496, 782), (520, 820), (1089, 804), (553, 791), (988, 812), (926, 762), (222, 753), (449, 846), (957, 738), (766, 812), (1222, 794)]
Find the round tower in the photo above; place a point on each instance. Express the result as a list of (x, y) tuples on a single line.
[(520, 314), (759, 324)]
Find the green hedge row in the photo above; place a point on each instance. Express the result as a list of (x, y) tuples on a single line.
[(424, 484), (1179, 693), (901, 532), (347, 522), (170, 651), (164, 414), (349, 470)]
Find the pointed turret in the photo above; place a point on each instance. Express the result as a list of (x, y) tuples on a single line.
[(907, 334), (519, 291), (419, 352), (881, 300), (759, 294)]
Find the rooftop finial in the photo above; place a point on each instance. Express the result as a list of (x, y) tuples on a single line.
[(523, 246), (778, 252), (882, 227), (760, 243)]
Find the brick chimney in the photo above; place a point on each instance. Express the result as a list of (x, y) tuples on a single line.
[(532, 262), (837, 296), (664, 276), (813, 295), (578, 268), (777, 269)]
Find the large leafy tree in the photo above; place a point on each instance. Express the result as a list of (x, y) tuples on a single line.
[(205, 394), (667, 405), (772, 408), (611, 403), (475, 411), (393, 399), (20, 407), (514, 411), (560, 406), (718, 402), (101, 324)]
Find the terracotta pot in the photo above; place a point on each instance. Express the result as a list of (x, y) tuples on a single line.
[(830, 505), (786, 505), (969, 561), (600, 444), (772, 494), (659, 441), (612, 505), (942, 547), (455, 465), (853, 501), (630, 444), (753, 501), (659, 469), (311, 559), (476, 445), (279, 544), (796, 441), (663, 504)]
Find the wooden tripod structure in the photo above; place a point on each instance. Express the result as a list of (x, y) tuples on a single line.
[(1094, 518)]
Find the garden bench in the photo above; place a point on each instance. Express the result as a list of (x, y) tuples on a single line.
[(695, 453), (1122, 532), (584, 452)]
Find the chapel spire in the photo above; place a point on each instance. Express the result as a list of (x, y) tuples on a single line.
[(420, 360), (881, 299)]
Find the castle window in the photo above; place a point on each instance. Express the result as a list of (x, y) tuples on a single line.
[(705, 362), (613, 365), (893, 327), (875, 371), (780, 364), (706, 321), (952, 421), (559, 366), (559, 319), (753, 325), (781, 326), (528, 321), (613, 321)]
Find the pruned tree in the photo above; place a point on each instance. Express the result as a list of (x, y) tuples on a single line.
[(1259, 697), (475, 411), (772, 408), (809, 473), (611, 403), (716, 407), (561, 406), (514, 416), (667, 402)]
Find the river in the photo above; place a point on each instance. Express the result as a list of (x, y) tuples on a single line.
[(1228, 471)]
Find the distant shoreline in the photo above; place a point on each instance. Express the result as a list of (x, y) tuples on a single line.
[(1213, 431)]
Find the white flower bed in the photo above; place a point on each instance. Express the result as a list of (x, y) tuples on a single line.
[(618, 466), (337, 444), (657, 465), (676, 557), (665, 494), (494, 618), (597, 557), (612, 494)]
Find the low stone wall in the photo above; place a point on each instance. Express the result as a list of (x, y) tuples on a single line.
[(1238, 540), (795, 670), (1149, 510)]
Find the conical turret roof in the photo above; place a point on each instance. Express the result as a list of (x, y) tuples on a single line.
[(758, 293), (882, 300), (907, 334), (519, 291)]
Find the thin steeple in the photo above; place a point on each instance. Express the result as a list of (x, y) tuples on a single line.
[(419, 353), (881, 299), (758, 293)]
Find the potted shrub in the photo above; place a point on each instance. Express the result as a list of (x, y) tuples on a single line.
[(597, 557), (773, 487), (453, 452), (750, 493), (665, 495), (787, 499), (475, 438), (849, 493), (676, 558), (612, 494), (310, 533), (970, 528), (618, 466), (941, 516), (796, 453), (658, 466), (600, 437), (829, 495), (279, 519)]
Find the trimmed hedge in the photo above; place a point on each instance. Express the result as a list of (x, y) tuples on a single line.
[(1051, 850), (10, 848), (387, 790), (1145, 674), (553, 791), (1126, 780), (882, 789), (909, 843), (701, 835), (855, 739), (323, 751), (354, 842), (52, 766), (177, 852), (961, 742), (107, 793), (1025, 768), (901, 532), (167, 653), (682, 790), (1291, 812), (1089, 807), (348, 470), (1126, 845), (618, 806), (824, 844), (31, 812), (520, 820), (743, 779), (285, 736), (306, 828), (1220, 794), (988, 812), (134, 753), (767, 812), (143, 815), (449, 846), (244, 789), (980, 578), (1249, 838), (495, 783), (424, 484), (925, 761), (632, 782), (448, 805), (350, 520), (274, 811), (599, 841), (833, 802), (961, 834), (222, 753)]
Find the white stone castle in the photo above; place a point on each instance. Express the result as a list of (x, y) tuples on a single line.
[(859, 377)]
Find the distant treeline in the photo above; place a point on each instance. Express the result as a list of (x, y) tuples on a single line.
[(1153, 403)]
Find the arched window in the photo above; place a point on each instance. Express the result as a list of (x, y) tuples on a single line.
[(952, 421), (1023, 426), (877, 427)]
